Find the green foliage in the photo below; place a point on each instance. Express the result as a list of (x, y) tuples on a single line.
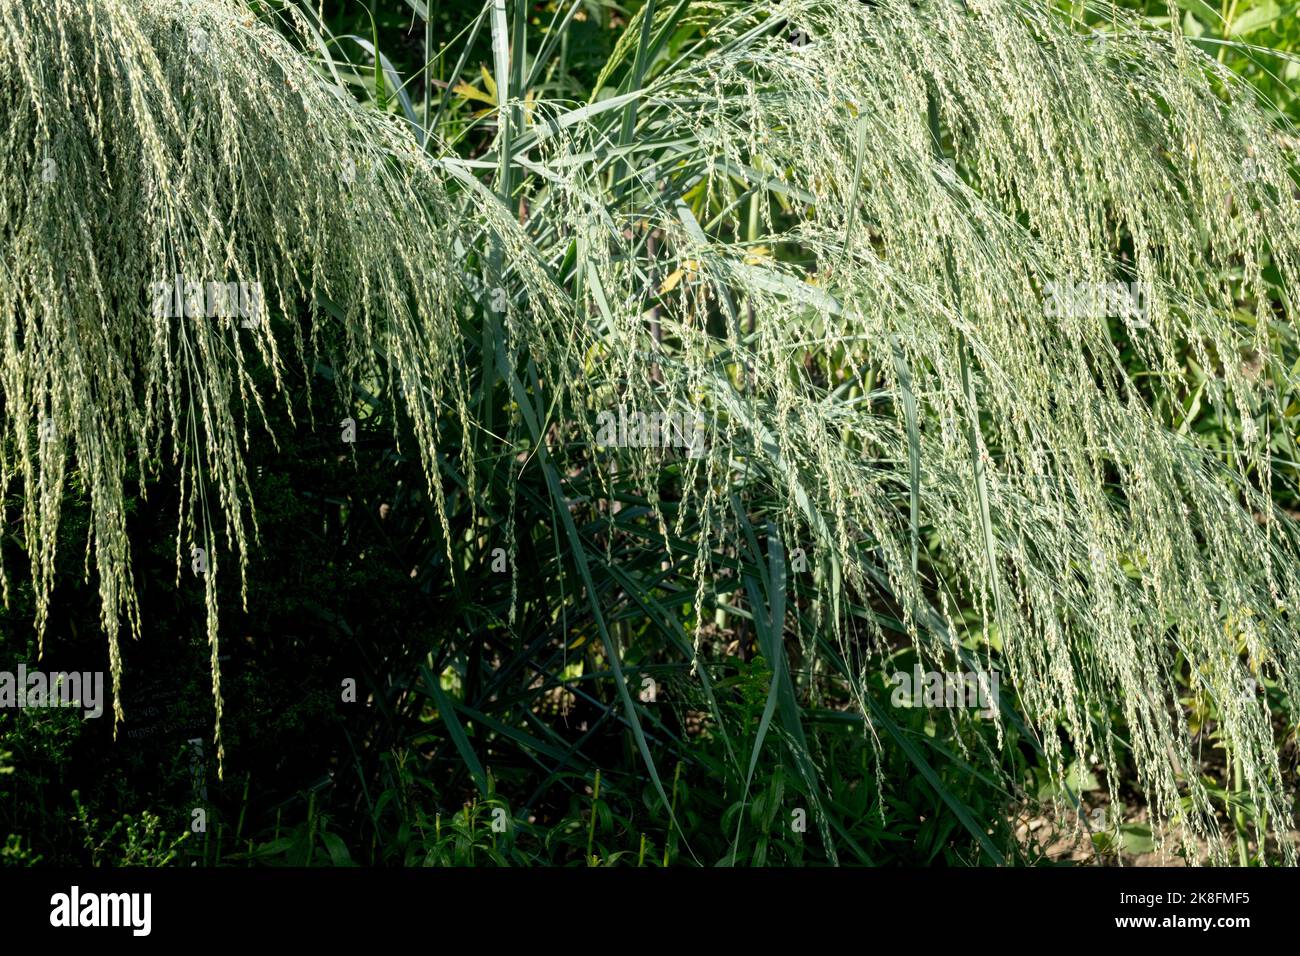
[(130, 841), (825, 231)]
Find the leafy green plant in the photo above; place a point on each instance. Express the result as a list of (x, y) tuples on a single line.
[(129, 841)]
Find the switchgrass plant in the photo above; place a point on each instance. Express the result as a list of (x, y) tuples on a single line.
[(824, 228), (164, 143), (1259, 39)]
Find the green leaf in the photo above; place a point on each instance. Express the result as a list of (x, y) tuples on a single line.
[(1256, 18), (1206, 13), (447, 711), (1136, 838), (337, 849)]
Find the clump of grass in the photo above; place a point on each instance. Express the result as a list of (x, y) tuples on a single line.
[(929, 169), (152, 140), (834, 251)]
